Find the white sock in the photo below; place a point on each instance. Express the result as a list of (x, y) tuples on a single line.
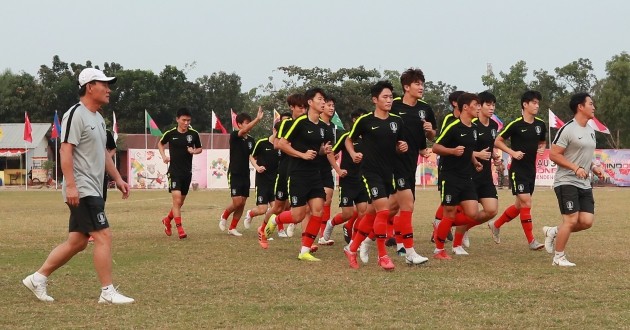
[(400, 246), (305, 249), (437, 250), (559, 254), (410, 250), (108, 288), (39, 278)]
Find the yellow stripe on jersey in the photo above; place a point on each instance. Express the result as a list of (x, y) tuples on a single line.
[(257, 143), (357, 122), (446, 130), (281, 128), (510, 124), (340, 139), (161, 137), (444, 120), (295, 122)]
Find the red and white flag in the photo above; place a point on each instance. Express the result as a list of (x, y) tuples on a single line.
[(28, 129), (234, 126), (216, 123), (554, 121), (115, 127), (598, 126)]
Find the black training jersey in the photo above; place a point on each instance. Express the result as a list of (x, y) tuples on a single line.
[(266, 156), (447, 120), (330, 134), (458, 134), (380, 137), (178, 143), (485, 139), (305, 135), (354, 169), (240, 149), (525, 137), (413, 118)]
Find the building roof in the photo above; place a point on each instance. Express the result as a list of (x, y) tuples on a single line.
[(12, 135)]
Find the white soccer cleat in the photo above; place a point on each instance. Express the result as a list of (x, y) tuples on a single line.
[(562, 262), (222, 224), (234, 232), (291, 229), (364, 250), (328, 230), (114, 297), (466, 240), (495, 232), (282, 234), (39, 290), (550, 238), (415, 259), (322, 241), (459, 251), (535, 245), (247, 223)]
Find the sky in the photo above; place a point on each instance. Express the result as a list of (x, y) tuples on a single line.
[(451, 41)]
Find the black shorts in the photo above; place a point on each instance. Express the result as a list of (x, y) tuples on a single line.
[(522, 183), (455, 190), (327, 178), (485, 188), (352, 192), (88, 216), (303, 189), (572, 199), (280, 187), (179, 182), (264, 190), (239, 185), (380, 185)]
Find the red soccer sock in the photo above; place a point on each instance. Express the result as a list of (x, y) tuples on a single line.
[(280, 226), (362, 230), (349, 225), (439, 213), (526, 223), (284, 217), (178, 221), (442, 231), (170, 215), (380, 231), (234, 222), (337, 219), (225, 214), (461, 219), (309, 234), (405, 228), (510, 213), (391, 226), (325, 217), (458, 239)]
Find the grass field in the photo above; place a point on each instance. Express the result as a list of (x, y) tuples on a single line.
[(212, 280)]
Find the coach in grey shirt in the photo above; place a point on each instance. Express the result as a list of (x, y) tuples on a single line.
[(83, 161)]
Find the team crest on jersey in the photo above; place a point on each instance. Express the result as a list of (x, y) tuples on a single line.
[(538, 130), (233, 191), (189, 138), (344, 201), (521, 187), (321, 132), (173, 185), (394, 127), (101, 218), (422, 114), (374, 192), (494, 133), (570, 205), (280, 194), (294, 200), (260, 198), (279, 152), (250, 145), (401, 182), (448, 198)]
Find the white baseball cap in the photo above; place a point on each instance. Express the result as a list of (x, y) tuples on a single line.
[(91, 74)]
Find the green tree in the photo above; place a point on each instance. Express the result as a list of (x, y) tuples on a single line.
[(613, 100), (508, 89)]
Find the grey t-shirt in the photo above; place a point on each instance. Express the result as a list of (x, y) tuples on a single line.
[(579, 144), (86, 131)]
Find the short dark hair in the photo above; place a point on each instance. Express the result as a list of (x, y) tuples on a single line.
[(466, 99), (577, 99), (312, 92), (357, 113), (410, 76), (296, 99), (242, 117), (83, 89), (486, 97), (529, 96), (331, 98), (286, 114), (183, 112), (454, 96), (377, 88)]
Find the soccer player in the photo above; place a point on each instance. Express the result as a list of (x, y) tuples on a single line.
[(572, 150), (241, 146), (487, 131), (84, 159), (297, 103), (183, 142), (303, 142), (353, 196), (419, 124), (527, 137), (456, 145), (382, 138)]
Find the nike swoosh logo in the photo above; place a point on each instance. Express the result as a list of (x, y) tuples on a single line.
[(309, 132), (480, 134), (175, 138), (580, 138), (462, 135), (92, 127), (354, 144), (375, 127), (267, 149), (523, 130), (402, 113)]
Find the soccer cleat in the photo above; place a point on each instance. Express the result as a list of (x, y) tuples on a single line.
[(535, 245), (114, 297), (328, 231), (290, 229), (401, 252), (562, 262), (39, 290), (167, 226), (222, 224), (247, 223), (181, 232), (314, 248), (459, 251), (352, 257), (386, 262), (282, 233), (494, 231), (270, 227), (364, 250), (415, 259), (262, 240), (234, 232), (550, 238), (441, 254), (390, 242), (322, 241), (466, 240), (307, 256), (346, 235)]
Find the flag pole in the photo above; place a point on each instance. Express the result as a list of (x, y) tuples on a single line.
[(26, 160), (145, 138), (56, 161)]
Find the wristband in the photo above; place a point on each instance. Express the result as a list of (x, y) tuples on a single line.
[(578, 169)]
